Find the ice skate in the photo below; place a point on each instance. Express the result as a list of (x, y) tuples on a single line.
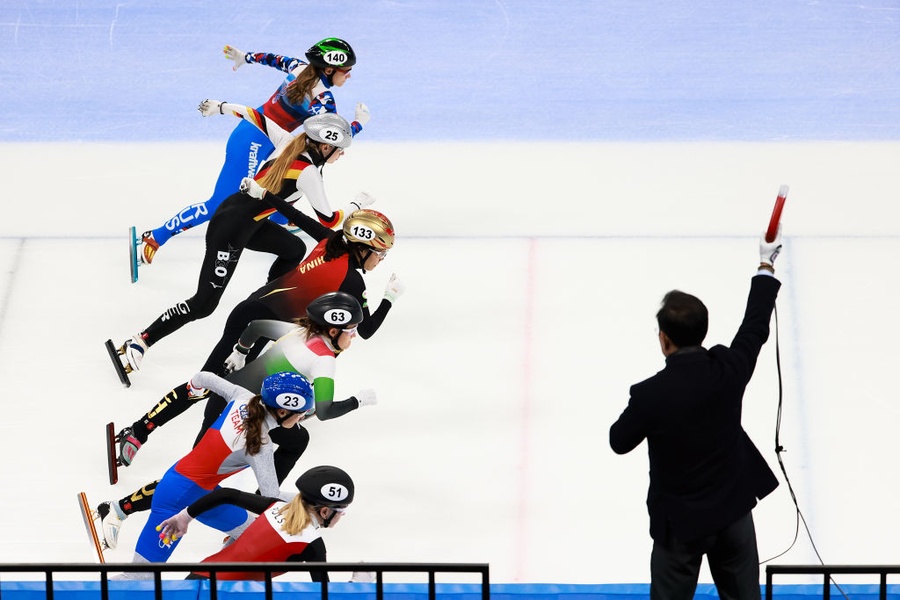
[(131, 353), (110, 516), (89, 516), (147, 248), (140, 250), (128, 446)]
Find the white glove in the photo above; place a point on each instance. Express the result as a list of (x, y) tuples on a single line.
[(194, 391), (394, 288), (768, 251), (362, 115), (174, 527), (366, 398), (238, 56), (362, 200), (237, 359), (250, 187), (363, 577), (211, 107)]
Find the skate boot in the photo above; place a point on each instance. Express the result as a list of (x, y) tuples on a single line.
[(131, 352), (128, 446), (111, 517), (147, 248)]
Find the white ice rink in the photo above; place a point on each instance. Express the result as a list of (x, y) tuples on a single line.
[(532, 285)]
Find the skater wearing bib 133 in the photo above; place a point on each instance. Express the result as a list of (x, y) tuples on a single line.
[(305, 92)]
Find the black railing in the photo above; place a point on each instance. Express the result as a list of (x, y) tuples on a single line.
[(828, 570), (157, 569)]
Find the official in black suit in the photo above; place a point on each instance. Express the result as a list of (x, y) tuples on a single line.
[(705, 473)]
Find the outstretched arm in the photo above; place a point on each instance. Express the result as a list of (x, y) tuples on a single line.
[(261, 328), (329, 408), (177, 525), (309, 225), (278, 61), (274, 132)]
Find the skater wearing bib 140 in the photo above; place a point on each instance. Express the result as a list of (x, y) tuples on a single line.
[(705, 473), (305, 92)]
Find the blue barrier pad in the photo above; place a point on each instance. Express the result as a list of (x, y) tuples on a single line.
[(244, 590)]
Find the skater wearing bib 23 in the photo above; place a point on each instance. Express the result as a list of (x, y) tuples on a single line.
[(238, 439)]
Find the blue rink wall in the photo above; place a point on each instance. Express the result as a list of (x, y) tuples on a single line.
[(191, 590)]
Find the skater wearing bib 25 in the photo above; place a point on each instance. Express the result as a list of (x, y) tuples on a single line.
[(241, 222), (305, 92)]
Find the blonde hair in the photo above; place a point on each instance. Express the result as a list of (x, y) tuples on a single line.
[(277, 172), (296, 516), (302, 86)]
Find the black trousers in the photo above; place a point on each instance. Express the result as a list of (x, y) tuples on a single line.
[(733, 563), (226, 240)]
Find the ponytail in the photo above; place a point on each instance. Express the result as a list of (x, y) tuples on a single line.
[(273, 176)]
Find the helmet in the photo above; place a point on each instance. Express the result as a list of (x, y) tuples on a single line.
[(288, 390), (329, 128), (331, 52), (335, 309), (326, 486), (369, 227)]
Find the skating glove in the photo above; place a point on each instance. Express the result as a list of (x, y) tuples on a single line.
[(363, 577), (394, 289), (194, 391), (174, 527), (362, 115), (211, 107), (768, 251), (366, 398), (238, 56), (237, 359), (362, 200), (250, 187)]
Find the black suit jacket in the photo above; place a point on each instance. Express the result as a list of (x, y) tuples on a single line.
[(705, 473)]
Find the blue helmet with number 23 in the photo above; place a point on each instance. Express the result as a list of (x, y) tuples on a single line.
[(287, 390)]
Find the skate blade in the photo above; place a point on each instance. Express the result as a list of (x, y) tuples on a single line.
[(117, 363), (88, 515), (112, 456), (133, 254)]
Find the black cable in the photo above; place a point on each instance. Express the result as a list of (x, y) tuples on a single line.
[(778, 450)]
